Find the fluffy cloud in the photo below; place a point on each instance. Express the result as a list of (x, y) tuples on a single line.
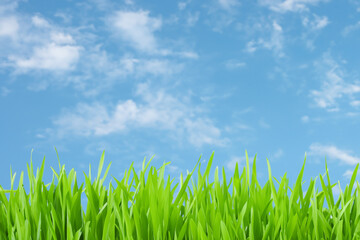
[(160, 111), (40, 22), (61, 38), (9, 26), (138, 29), (50, 57), (35, 44)]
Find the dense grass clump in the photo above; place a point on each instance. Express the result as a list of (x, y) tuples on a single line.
[(150, 209)]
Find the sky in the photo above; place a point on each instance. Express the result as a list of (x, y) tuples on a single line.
[(179, 80)]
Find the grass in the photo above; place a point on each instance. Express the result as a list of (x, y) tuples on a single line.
[(150, 209)]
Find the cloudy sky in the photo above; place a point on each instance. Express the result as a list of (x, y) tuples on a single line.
[(180, 79)]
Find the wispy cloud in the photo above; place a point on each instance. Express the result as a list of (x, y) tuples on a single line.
[(278, 154), (290, 5), (332, 152), (355, 103), (183, 4), (351, 28), (305, 119), (313, 25), (275, 43), (234, 64), (237, 126), (317, 23), (228, 4), (263, 124), (158, 67), (192, 18), (231, 164), (138, 29), (4, 91), (348, 174), (333, 87)]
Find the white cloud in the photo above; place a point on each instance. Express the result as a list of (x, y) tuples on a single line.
[(160, 111), (111, 70), (336, 191), (289, 5), (277, 27), (228, 4), (172, 168), (231, 164), (188, 54), (65, 17), (313, 24), (50, 57), (9, 27), (202, 131), (144, 67), (129, 2), (40, 22), (355, 103), (348, 174), (317, 24), (278, 154), (332, 152), (234, 64), (263, 124), (159, 67), (61, 38), (305, 119), (8, 6), (36, 45), (251, 46), (182, 5), (352, 114), (192, 19), (4, 91), (237, 126), (275, 43), (347, 30), (333, 86), (138, 28)]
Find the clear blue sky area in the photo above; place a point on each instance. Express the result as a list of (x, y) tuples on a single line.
[(179, 79)]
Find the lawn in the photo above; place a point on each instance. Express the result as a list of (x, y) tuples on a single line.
[(137, 207)]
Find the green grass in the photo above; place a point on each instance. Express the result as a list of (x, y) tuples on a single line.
[(139, 208)]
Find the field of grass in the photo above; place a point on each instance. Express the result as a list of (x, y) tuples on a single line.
[(139, 208)]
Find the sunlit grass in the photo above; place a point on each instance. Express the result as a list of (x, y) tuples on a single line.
[(151, 208)]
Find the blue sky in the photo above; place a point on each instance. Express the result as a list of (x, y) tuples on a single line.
[(179, 79)]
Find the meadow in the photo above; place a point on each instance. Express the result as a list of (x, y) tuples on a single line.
[(140, 207)]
